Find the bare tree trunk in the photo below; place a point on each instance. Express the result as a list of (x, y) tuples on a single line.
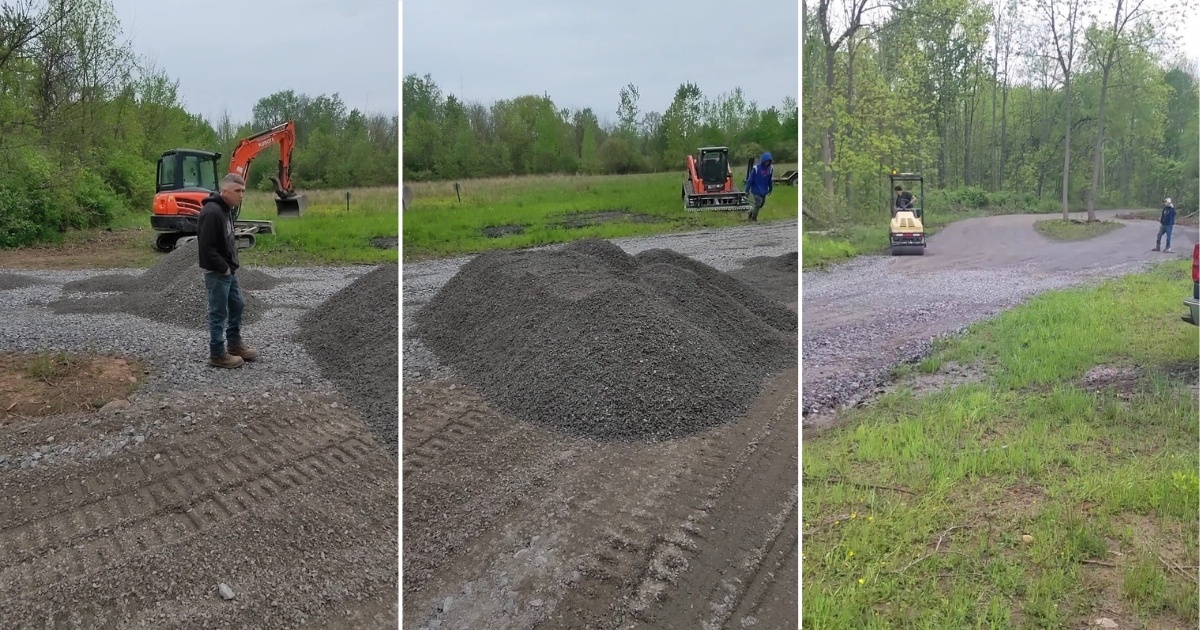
[(850, 50), (827, 136), (1066, 176)]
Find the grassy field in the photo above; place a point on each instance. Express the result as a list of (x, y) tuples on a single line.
[(327, 234), (1057, 488), (1074, 230), (528, 211)]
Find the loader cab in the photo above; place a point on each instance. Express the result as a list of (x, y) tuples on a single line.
[(187, 170), (714, 167)]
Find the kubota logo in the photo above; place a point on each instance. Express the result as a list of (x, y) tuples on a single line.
[(265, 143)]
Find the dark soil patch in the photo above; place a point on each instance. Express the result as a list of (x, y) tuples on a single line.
[(593, 341), (1122, 381), (354, 337), (9, 281), (46, 384), (575, 220), (390, 242), (500, 231), (948, 376)]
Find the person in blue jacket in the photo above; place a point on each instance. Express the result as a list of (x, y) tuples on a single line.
[(759, 184), (1166, 222)]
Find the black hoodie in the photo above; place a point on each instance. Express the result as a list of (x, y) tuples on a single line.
[(214, 236)]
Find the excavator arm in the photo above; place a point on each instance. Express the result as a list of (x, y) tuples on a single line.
[(287, 202)]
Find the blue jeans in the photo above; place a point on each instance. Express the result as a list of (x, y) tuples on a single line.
[(1163, 229), (225, 306)]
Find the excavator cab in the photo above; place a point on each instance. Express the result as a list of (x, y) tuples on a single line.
[(187, 170)]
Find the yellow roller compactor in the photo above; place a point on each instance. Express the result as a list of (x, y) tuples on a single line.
[(907, 230)]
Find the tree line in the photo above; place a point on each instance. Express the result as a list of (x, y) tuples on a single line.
[(1050, 104), (446, 138), (83, 121)]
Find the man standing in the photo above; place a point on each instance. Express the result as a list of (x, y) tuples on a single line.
[(759, 184), (219, 260), (1166, 222)]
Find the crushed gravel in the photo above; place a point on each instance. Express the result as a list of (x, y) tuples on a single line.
[(725, 249), (589, 339), (9, 281), (183, 302), (177, 356), (354, 338)]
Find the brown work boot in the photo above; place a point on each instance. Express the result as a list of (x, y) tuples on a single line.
[(226, 361), (243, 351)]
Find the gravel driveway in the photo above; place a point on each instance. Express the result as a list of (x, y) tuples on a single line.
[(863, 317)]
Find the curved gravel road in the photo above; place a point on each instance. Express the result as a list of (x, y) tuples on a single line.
[(863, 317)]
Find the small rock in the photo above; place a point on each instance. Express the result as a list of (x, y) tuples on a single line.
[(536, 603), (36, 456), (139, 438), (225, 591), (509, 606), (436, 623), (1105, 622), (115, 406), (446, 604), (157, 456), (1026, 539)]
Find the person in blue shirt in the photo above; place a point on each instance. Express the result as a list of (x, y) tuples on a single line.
[(1166, 222), (759, 184)]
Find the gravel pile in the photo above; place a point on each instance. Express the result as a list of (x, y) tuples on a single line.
[(725, 249), (184, 302), (354, 339), (172, 292), (179, 263), (588, 339), (10, 281)]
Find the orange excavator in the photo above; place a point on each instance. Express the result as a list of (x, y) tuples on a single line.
[(187, 176)]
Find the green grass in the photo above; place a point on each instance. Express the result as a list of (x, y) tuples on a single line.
[(327, 234), (1074, 229), (1103, 482), (438, 225)]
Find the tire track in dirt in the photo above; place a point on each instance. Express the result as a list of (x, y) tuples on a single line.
[(436, 421), (175, 460), (652, 556), (169, 511), (719, 539)]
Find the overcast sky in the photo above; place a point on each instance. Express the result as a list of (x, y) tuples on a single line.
[(227, 54), (583, 53)]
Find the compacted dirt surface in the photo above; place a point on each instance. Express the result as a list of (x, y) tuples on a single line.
[(863, 317), (537, 495), (141, 488)]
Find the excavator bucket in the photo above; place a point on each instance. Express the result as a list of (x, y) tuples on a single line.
[(291, 206)]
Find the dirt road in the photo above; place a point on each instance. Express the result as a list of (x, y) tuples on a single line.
[(865, 316), (508, 524)]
